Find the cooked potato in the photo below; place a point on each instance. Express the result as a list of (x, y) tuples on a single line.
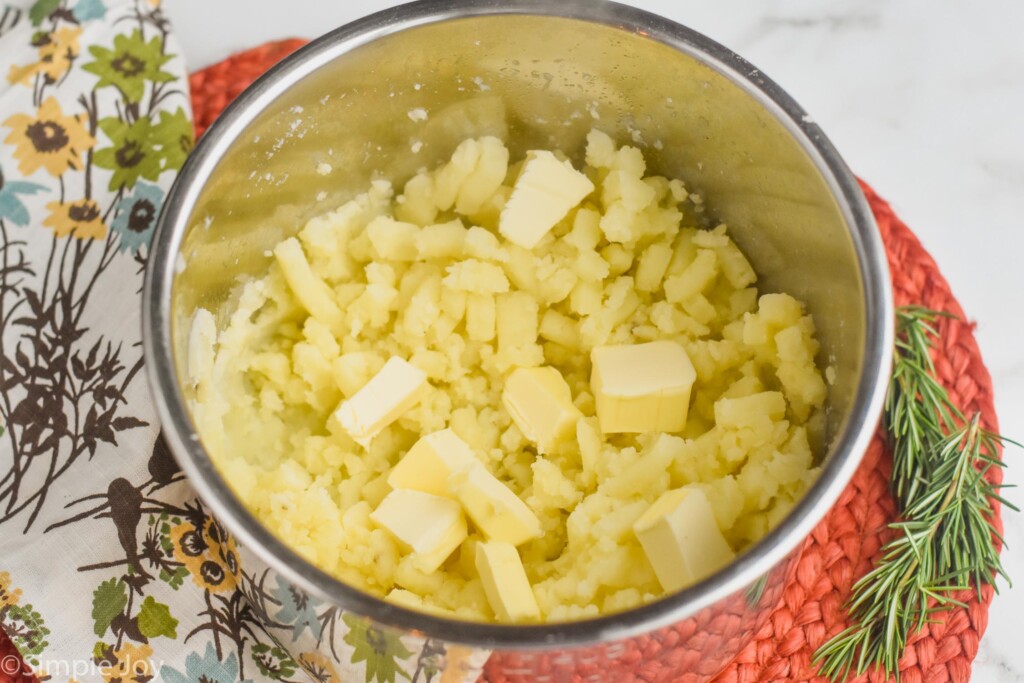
[(427, 278)]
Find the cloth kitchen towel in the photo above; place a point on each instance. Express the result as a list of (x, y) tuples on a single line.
[(110, 568)]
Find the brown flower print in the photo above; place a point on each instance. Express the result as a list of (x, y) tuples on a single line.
[(130, 665), (49, 139), (209, 555), (80, 219), (8, 597), (319, 667)]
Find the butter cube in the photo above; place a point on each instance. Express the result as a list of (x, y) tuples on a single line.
[(429, 463), (431, 526), (540, 403), (505, 584), (642, 387), (493, 507), (681, 538), (385, 398), (546, 190)]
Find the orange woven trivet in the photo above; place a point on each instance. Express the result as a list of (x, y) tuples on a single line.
[(843, 546)]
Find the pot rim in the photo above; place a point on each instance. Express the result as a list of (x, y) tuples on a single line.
[(848, 448)]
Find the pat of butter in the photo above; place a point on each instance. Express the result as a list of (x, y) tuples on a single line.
[(540, 403), (386, 397), (431, 526), (493, 507), (505, 584), (681, 538), (429, 463), (546, 190), (642, 387)]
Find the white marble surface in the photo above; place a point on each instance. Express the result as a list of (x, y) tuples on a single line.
[(919, 96)]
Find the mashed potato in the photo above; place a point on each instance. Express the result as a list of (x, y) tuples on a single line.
[(427, 276)]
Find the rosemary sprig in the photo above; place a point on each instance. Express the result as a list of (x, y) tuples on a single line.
[(945, 541)]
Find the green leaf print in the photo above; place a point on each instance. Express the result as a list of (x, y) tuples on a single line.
[(27, 631), (176, 578), (131, 63), (133, 154), (378, 648), (41, 10), (272, 661), (155, 620), (108, 600), (100, 651), (174, 136)]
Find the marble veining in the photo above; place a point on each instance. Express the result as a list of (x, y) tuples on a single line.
[(923, 99)]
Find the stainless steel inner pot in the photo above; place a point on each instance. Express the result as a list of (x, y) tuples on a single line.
[(536, 74)]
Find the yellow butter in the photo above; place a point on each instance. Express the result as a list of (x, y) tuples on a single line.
[(681, 538), (429, 463), (507, 589), (642, 387), (431, 526), (387, 396), (547, 189), (540, 403), (493, 507)]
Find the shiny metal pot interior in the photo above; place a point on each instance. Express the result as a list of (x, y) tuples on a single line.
[(536, 74)]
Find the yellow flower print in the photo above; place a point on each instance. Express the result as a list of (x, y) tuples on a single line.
[(223, 551), (49, 139), (131, 665), (209, 555), (189, 546), (22, 75), (319, 668), (8, 597), (58, 52), (81, 219)]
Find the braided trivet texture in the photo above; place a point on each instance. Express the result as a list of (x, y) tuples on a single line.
[(842, 548)]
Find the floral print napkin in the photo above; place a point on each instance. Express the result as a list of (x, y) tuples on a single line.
[(110, 568)]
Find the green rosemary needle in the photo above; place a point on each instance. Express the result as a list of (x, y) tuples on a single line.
[(945, 541)]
